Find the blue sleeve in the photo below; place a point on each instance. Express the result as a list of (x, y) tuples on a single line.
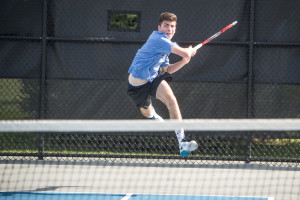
[(166, 63), (165, 45)]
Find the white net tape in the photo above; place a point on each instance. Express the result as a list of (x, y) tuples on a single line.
[(149, 125)]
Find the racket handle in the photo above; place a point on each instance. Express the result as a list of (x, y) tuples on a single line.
[(198, 46)]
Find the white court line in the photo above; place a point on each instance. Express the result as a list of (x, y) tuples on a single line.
[(127, 196)]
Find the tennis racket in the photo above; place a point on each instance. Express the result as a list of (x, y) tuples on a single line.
[(215, 35)]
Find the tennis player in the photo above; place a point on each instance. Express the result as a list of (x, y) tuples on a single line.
[(150, 72)]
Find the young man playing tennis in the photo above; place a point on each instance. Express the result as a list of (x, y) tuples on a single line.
[(150, 71)]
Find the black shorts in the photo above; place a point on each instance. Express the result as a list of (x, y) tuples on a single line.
[(141, 95)]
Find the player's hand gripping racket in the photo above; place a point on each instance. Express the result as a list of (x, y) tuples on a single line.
[(215, 35)]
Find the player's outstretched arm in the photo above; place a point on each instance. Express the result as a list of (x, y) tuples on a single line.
[(185, 53)]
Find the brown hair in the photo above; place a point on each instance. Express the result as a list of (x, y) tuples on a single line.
[(166, 16)]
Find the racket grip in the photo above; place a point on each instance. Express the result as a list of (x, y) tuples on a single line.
[(198, 46)]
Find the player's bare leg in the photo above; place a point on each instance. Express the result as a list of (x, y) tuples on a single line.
[(150, 113), (146, 112), (165, 94)]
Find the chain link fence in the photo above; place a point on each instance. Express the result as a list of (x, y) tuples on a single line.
[(63, 59), (217, 148)]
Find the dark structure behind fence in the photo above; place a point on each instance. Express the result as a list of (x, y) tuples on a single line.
[(64, 59)]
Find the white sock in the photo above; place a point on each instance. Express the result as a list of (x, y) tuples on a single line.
[(151, 116), (179, 134), (155, 115), (152, 113)]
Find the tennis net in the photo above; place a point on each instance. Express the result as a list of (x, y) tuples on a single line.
[(139, 159)]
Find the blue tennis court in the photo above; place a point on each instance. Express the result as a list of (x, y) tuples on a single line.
[(96, 196)]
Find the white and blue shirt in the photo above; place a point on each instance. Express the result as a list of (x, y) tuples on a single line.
[(153, 55)]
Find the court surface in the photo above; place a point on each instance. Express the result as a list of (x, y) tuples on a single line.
[(134, 181), (82, 196)]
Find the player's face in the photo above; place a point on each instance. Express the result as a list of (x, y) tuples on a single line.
[(168, 27)]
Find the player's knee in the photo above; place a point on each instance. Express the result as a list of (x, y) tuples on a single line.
[(171, 101)]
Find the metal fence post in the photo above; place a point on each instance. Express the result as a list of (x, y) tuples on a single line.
[(250, 81), (43, 79)]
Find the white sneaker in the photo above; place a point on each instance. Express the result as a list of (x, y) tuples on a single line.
[(159, 118), (155, 115), (186, 147)]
